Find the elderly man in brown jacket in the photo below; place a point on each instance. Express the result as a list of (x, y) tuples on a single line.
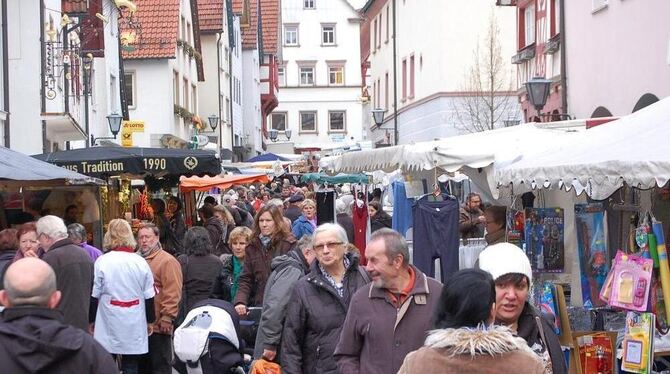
[(168, 283), (392, 316)]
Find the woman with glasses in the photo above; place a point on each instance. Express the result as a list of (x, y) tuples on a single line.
[(319, 304)]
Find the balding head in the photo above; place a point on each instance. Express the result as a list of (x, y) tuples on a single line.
[(30, 281)]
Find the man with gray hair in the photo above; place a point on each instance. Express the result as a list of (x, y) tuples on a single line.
[(73, 268), (33, 339), (77, 233), (391, 317)]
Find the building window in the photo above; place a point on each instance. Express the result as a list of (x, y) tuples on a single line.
[(129, 88), (194, 99), (336, 121), (386, 91), (281, 75), (227, 111), (374, 41), (411, 76), (328, 34), (291, 35), (175, 88), (308, 121), (310, 4), (189, 35), (374, 95), (336, 75), (379, 42), (185, 91), (278, 121), (388, 25), (182, 29), (404, 78), (556, 17), (307, 76), (529, 23)]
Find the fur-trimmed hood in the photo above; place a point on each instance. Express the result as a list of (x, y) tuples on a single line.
[(483, 340)]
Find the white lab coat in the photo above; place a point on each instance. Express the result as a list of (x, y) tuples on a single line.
[(122, 278)]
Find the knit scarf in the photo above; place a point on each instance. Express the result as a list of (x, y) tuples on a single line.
[(265, 240), (150, 251)]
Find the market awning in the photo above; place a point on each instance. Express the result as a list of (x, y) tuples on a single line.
[(632, 149), (219, 181), (335, 179), (17, 169), (267, 157), (138, 162)]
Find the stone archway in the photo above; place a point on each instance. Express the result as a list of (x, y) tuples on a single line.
[(645, 100)]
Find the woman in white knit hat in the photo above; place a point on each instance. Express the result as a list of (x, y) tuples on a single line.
[(511, 270)]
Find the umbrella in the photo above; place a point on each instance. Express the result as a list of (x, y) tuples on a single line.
[(16, 168), (267, 157)]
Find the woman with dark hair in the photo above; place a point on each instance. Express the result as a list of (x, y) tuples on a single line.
[(9, 244), (199, 267), (29, 246), (496, 223), (465, 339), (378, 217), (161, 221), (270, 238), (176, 218)]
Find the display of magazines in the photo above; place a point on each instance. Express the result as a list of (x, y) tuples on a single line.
[(638, 343), (543, 232), (592, 251)]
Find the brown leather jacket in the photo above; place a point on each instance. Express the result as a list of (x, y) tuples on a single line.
[(168, 283), (256, 271)]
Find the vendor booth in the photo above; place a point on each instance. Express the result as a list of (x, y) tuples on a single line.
[(30, 188)]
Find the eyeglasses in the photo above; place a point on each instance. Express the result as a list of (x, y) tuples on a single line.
[(321, 247)]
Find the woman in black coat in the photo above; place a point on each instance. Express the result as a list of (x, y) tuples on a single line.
[(319, 304), (379, 219)]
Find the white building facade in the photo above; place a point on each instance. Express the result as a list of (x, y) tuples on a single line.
[(161, 78), (435, 46), (319, 76), (64, 79)]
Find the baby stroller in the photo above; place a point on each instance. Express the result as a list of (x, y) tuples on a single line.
[(209, 341)]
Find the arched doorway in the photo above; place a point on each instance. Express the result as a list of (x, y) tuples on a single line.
[(600, 112), (645, 100)]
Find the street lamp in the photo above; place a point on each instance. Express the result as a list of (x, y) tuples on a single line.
[(538, 92), (213, 121), (378, 116), (114, 120), (273, 134)]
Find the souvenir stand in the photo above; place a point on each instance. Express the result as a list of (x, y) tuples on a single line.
[(623, 167), (135, 175), (29, 186)]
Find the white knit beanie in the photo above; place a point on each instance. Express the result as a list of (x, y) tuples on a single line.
[(505, 258)]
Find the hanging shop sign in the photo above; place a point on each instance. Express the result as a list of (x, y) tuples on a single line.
[(111, 161)]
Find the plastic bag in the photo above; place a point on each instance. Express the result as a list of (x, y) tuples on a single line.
[(265, 367)]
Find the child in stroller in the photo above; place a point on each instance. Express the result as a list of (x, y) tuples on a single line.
[(209, 340)]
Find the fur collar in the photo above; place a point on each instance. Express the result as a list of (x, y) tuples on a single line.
[(492, 340)]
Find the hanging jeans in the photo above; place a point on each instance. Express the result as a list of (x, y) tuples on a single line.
[(436, 235)]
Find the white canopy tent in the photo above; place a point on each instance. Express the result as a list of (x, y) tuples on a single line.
[(632, 149), (467, 153)]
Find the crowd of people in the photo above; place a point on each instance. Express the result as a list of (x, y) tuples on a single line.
[(325, 305)]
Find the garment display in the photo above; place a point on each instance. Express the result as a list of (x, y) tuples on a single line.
[(359, 214), (402, 209), (436, 235), (325, 206)]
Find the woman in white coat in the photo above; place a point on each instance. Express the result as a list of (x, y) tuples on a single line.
[(123, 289)]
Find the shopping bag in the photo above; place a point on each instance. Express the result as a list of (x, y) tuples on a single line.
[(263, 366)]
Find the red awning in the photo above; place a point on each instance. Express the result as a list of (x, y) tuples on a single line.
[(221, 181)]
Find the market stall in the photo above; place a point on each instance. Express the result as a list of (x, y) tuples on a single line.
[(188, 184), (31, 188)]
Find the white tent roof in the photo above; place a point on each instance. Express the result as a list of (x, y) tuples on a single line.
[(633, 149), (475, 150)]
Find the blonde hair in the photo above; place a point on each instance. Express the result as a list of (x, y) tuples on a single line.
[(227, 217), (119, 234), (240, 232), (309, 202)]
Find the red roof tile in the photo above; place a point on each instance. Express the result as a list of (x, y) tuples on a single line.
[(157, 23), (270, 19), (210, 14)]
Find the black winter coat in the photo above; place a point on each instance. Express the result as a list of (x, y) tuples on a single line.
[(35, 340), (314, 320)]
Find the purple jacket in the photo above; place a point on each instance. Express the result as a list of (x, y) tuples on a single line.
[(92, 252)]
